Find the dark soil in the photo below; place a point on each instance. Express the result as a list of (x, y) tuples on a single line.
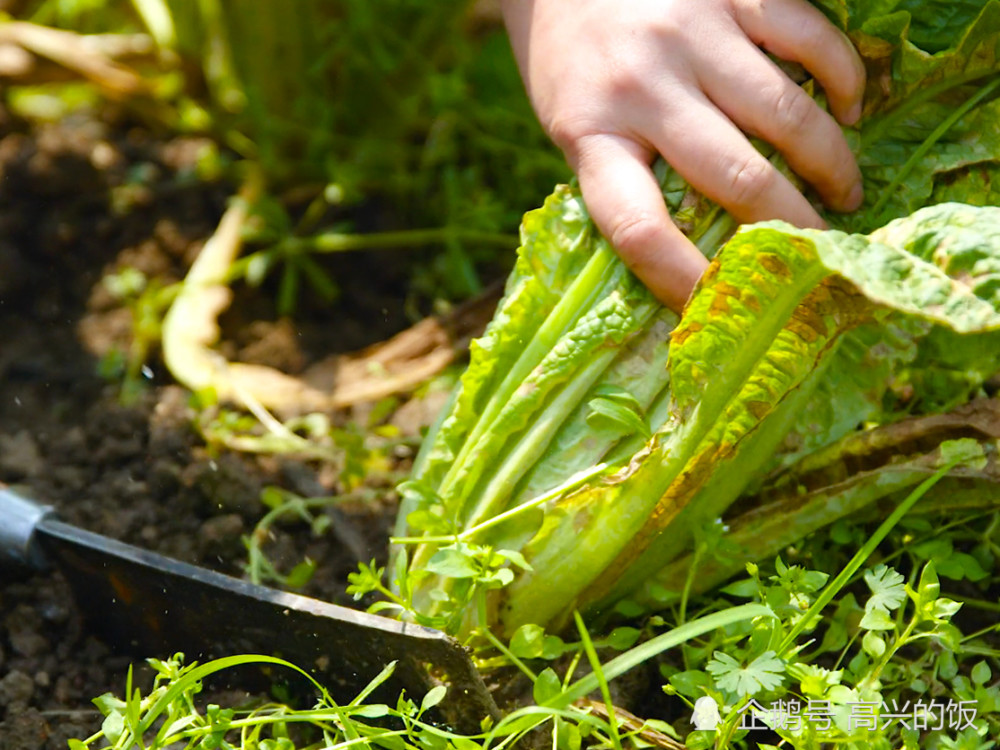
[(79, 200)]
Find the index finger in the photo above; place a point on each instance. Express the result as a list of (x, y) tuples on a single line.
[(624, 200), (796, 30)]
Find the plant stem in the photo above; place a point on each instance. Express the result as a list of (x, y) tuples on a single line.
[(587, 286), (577, 480), (598, 672), (497, 643), (572, 483), (699, 551), (928, 144), (891, 118), (890, 652), (338, 242), (852, 567)]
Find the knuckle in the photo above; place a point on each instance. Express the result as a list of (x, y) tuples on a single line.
[(635, 236), (743, 9), (568, 132), (627, 81), (795, 113), (672, 26), (750, 180), (816, 33)]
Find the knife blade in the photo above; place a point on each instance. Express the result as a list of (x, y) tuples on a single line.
[(143, 602)]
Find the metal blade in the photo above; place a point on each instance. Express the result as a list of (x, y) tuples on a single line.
[(148, 603)]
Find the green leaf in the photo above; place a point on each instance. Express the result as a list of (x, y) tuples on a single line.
[(796, 579), (815, 680), (499, 578), (691, 683), (933, 550), (887, 587), (981, 673), (962, 565), (945, 609), (527, 641), (273, 497), (371, 711), (745, 589), (700, 740), (108, 703), (386, 672), (763, 673), (619, 414), (464, 743), (553, 647), (301, 574), (663, 728), (555, 247), (433, 696), (547, 686), (514, 557), (928, 587), (623, 638), (873, 644), (964, 452), (368, 578), (616, 393), (876, 619), (947, 666), (947, 634), (453, 561), (113, 726), (628, 608)]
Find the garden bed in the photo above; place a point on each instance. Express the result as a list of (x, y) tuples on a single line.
[(79, 200)]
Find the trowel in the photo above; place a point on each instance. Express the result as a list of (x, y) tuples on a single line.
[(145, 603)]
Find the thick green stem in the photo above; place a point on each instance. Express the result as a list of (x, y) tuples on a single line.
[(589, 285)]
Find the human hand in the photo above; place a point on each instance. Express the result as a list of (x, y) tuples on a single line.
[(617, 82)]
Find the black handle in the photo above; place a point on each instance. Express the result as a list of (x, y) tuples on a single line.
[(19, 517)]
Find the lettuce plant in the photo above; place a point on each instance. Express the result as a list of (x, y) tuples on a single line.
[(595, 435)]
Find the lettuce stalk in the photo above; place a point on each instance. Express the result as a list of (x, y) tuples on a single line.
[(595, 432)]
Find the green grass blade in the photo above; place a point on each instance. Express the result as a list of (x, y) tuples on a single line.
[(852, 567), (645, 651)]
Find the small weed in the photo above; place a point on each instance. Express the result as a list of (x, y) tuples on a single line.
[(357, 455), (283, 505), (148, 301), (169, 716), (362, 459)]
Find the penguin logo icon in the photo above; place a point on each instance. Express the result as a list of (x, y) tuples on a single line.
[(706, 714)]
